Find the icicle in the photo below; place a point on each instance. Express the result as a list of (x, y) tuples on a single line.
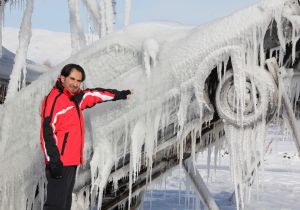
[(239, 83), (193, 152), (96, 13), (295, 38), (262, 52), (127, 12), (126, 139), (182, 117), (137, 140), (254, 60), (24, 73), (78, 40), (152, 124), (219, 70), (246, 153), (1, 24), (102, 18), (20, 59), (101, 165), (109, 16), (280, 33)]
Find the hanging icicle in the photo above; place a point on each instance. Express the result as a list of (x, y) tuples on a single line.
[(127, 12), (103, 15), (114, 5), (103, 18), (95, 14), (78, 40), (2, 3), (21, 54), (109, 16)]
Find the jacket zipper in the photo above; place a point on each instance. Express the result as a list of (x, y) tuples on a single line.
[(64, 143), (78, 111)]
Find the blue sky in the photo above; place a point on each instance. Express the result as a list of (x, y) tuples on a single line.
[(53, 14)]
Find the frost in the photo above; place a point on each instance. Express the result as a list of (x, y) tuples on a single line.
[(150, 53)]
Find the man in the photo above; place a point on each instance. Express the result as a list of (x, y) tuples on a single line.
[(62, 132)]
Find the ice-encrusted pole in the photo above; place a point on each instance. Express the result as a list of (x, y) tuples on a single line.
[(200, 185), (78, 40), (109, 16), (274, 68), (127, 12), (21, 54), (96, 14), (102, 14)]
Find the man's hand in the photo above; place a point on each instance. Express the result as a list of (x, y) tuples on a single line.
[(56, 169), (121, 95), (131, 92)]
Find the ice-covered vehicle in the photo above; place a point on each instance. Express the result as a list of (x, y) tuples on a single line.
[(190, 85)]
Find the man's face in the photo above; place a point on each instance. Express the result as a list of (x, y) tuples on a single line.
[(73, 81)]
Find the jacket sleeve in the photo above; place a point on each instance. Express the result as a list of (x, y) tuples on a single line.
[(90, 97), (48, 136)]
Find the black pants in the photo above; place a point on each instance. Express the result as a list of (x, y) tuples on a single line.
[(59, 191)]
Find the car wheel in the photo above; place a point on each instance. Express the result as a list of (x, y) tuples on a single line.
[(258, 103)]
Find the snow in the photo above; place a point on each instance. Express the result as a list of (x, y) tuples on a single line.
[(174, 92)]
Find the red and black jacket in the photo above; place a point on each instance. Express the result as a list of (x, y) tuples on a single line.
[(62, 123)]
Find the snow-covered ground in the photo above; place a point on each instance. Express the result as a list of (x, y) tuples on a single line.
[(278, 189)]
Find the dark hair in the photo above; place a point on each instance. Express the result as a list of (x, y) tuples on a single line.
[(66, 70)]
